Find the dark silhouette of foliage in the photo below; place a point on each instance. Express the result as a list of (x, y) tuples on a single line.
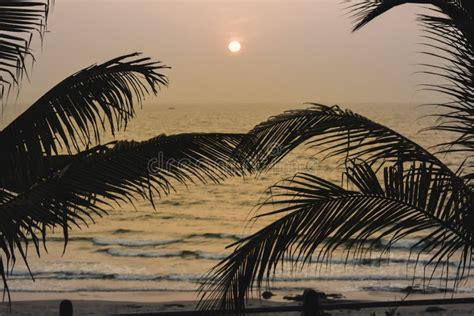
[(71, 116), (20, 22), (86, 183), (56, 173), (395, 188), (449, 27), (54, 170)]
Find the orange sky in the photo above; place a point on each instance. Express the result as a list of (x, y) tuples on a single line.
[(292, 51)]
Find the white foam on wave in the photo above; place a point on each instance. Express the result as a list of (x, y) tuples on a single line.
[(164, 254), (111, 275), (132, 242)]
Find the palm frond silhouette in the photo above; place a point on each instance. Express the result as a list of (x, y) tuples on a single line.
[(83, 185), (395, 188), (71, 116), (55, 170), (449, 27), (20, 22)]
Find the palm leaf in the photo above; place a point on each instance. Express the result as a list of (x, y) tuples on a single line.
[(450, 30), (72, 115), (365, 11), (454, 43), (5, 196), (333, 132), (124, 169), (20, 21), (106, 175), (319, 217)]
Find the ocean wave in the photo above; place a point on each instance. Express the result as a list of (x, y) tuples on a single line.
[(378, 244), (216, 236), (417, 289), (126, 247), (129, 242), (133, 242), (121, 231), (193, 278), (185, 254), (360, 277), (64, 275), (402, 244), (380, 262), (70, 238), (125, 242), (167, 216), (90, 275)]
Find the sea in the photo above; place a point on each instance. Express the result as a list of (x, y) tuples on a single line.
[(145, 252)]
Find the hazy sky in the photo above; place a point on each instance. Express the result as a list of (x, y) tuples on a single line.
[(292, 51)]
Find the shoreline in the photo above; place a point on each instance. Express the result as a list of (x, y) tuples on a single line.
[(99, 307), (106, 307), (167, 296), (35, 303)]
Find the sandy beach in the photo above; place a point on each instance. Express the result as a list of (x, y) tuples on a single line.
[(137, 303), (82, 307)]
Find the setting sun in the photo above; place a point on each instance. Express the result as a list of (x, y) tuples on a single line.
[(234, 46)]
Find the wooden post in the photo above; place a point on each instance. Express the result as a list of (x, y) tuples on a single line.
[(311, 303), (65, 308)]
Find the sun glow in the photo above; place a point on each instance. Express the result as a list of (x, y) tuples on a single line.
[(234, 47)]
